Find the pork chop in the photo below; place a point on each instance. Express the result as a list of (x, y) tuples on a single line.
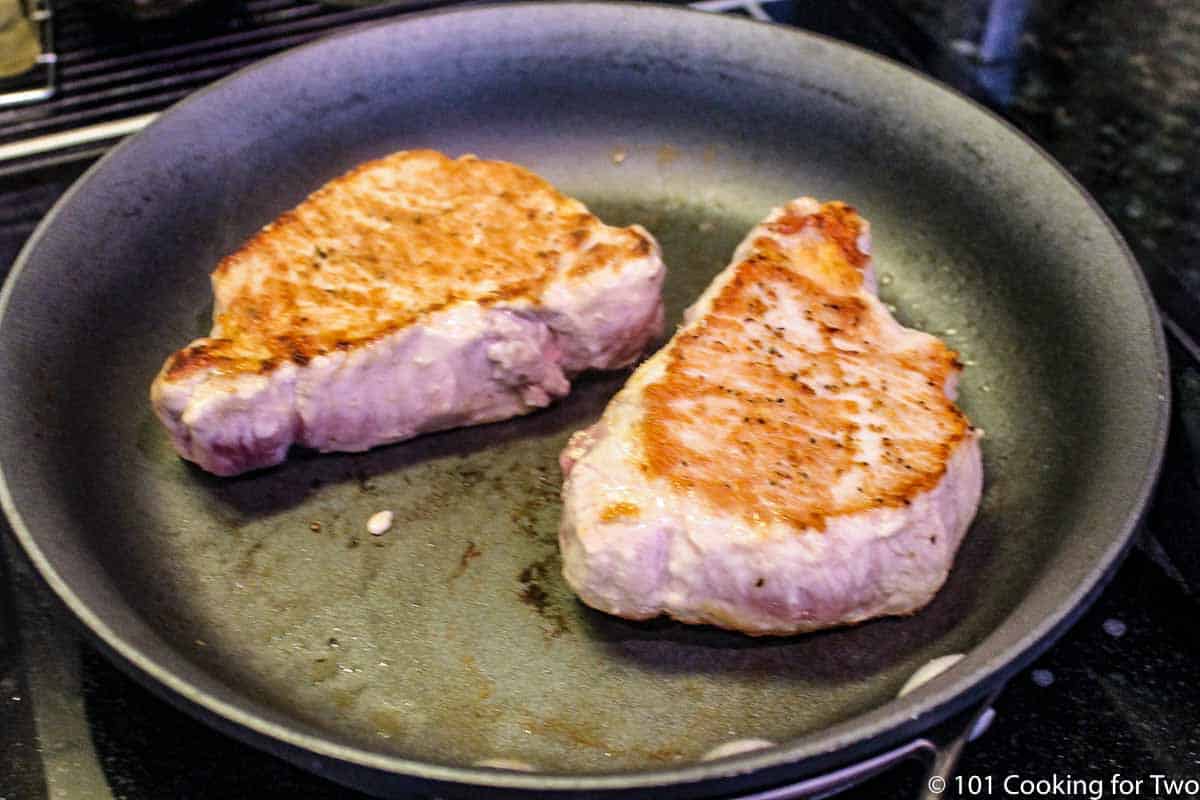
[(413, 294), (791, 460)]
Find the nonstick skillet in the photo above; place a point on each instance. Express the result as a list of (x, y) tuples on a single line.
[(399, 663)]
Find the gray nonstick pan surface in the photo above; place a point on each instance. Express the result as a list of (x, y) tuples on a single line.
[(398, 662)]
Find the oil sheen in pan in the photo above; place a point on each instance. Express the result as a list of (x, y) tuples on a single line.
[(454, 639)]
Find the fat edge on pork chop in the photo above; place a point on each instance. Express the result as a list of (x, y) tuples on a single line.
[(413, 294), (791, 460)]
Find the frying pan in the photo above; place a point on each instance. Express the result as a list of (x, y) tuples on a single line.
[(398, 662)]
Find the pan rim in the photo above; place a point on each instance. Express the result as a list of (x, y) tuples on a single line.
[(890, 722)]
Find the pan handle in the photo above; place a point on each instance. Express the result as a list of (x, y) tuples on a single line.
[(938, 749), (946, 754)]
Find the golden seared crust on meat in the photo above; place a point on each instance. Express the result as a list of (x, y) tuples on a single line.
[(388, 243), (785, 402)]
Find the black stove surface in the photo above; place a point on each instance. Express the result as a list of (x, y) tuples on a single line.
[(1108, 87)]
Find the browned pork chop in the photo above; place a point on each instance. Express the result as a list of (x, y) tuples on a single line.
[(413, 294), (791, 460)]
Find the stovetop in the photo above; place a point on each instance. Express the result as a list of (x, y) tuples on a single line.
[(1108, 87)]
